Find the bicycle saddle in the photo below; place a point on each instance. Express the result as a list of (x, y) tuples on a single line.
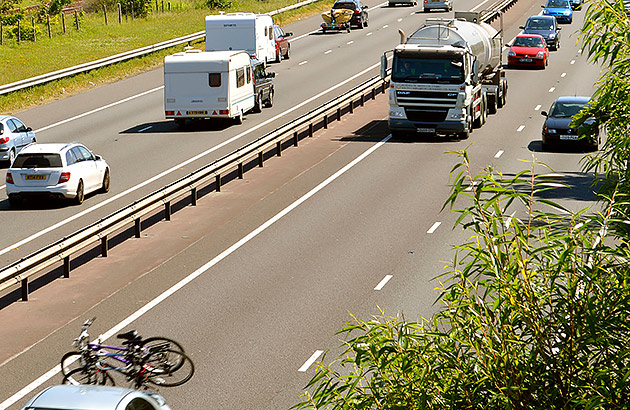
[(132, 334)]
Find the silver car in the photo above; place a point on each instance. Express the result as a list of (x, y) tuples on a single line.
[(82, 397), (14, 136)]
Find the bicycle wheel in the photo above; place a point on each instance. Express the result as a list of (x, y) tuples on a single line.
[(158, 343), (71, 361), (168, 368), (87, 375)]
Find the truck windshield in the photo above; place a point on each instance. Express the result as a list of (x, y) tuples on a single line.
[(427, 70)]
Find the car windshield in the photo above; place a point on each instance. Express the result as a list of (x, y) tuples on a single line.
[(539, 24), (37, 161), (558, 4), (345, 5), (565, 109), (528, 42), (427, 70)]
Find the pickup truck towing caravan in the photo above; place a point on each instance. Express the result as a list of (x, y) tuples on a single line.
[(446, 77)]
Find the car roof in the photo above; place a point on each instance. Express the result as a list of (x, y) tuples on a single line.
[(4, 117), (541, 18), (531, 35), (83, 397), (573, 99), (49, 148)]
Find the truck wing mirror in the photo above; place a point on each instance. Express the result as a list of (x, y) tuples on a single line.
[(383, 66), (271, 75), (521, 27), (288, 34), (559, 28)]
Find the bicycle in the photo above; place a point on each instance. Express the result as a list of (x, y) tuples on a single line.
[(153, 360)]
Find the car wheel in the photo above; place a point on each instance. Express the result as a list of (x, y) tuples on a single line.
[(278, 56), (106, 181), (258, 103), (11, 157), (78, 199), (365, 24), (14, 201), (425, 10), (361, 24), (288, 53), (270, 99), (392, 4)]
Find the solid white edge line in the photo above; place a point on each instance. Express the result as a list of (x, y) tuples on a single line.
[(434, 227), (479, 5), (310, 361), (160, 298), (499, 153), (383, 282), (188, 161)]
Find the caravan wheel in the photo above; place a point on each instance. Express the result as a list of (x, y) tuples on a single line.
[(239, 118)]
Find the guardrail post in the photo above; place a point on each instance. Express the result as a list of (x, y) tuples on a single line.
[(240, 170), (351, 107), (104, 246), (261, 159), (279, 148), (25, 290), (66, 267), (373, 96), (362, 99), (325, 121), (193, 196), (338, 114), (217, 182), (167, 210), (295, 139), (310, 129), (137, 227)]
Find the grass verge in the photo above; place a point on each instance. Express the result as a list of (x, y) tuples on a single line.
[(97, 41)]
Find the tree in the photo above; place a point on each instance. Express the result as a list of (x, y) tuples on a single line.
[(10, 11), (535, 308)]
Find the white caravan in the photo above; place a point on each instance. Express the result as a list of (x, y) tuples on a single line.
[(242, 31), (216, 84)]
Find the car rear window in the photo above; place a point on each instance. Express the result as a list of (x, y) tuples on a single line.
[(37, 161), (349, 6)]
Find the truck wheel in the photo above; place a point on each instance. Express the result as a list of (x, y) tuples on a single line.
[(180, 122), (258, 103), (503, 98), (270, 99)]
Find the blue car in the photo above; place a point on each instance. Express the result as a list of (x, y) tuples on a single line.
[(560, 9)]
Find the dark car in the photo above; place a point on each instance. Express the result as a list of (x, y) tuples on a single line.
[(576, 4), (557, 130), (546, 26), (263, 86), (360, 17), (283, 47)]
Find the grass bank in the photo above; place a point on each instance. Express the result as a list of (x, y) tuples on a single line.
[(96, 40)]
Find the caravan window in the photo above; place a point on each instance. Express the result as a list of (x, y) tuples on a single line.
[(249, 75), (240, 77), (266, 28), (270, 34), (214, 79)]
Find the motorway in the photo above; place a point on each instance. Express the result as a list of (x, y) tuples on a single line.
[(256, 280)]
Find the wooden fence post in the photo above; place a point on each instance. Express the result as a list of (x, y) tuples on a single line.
[(76, 19), (169, 6), (157, 7), (63, 22), (34, 34), (162, 6), (48, 24), (1, 33), (119, 14), (133, 14), (105, 13), (19, 32)]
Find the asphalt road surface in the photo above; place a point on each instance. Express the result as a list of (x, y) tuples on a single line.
[(256, 280)]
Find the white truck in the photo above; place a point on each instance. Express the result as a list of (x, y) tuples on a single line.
[(446, 77), (216, 84), (242, 31)]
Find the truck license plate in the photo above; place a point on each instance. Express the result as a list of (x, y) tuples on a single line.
[(196, 112), (569, 137), (426, 130)]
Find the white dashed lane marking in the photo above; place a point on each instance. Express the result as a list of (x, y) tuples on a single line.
[(328, 52), (499, 153), (552, 89), (303, 62), (434, 227), (563, 75), (383, 282), (572, 62), (369, 34), (537, 107), (310, 360), (386, 25), (350, 42), (521, 128)]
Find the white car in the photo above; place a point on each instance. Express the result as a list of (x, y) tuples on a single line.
[(14, 136), (82, 397), (56, 170)]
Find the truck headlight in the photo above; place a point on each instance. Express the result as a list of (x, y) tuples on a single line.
[(397, 113), (551, 130)]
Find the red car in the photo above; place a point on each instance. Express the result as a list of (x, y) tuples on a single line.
[(283, 47), (528, 50)]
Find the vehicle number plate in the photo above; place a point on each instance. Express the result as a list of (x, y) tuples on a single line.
[(196, 112), (426, 130), (526, 60), (35, 177), (569, 137)]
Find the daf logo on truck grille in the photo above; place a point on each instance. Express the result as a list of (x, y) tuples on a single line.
[(451, 95)]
